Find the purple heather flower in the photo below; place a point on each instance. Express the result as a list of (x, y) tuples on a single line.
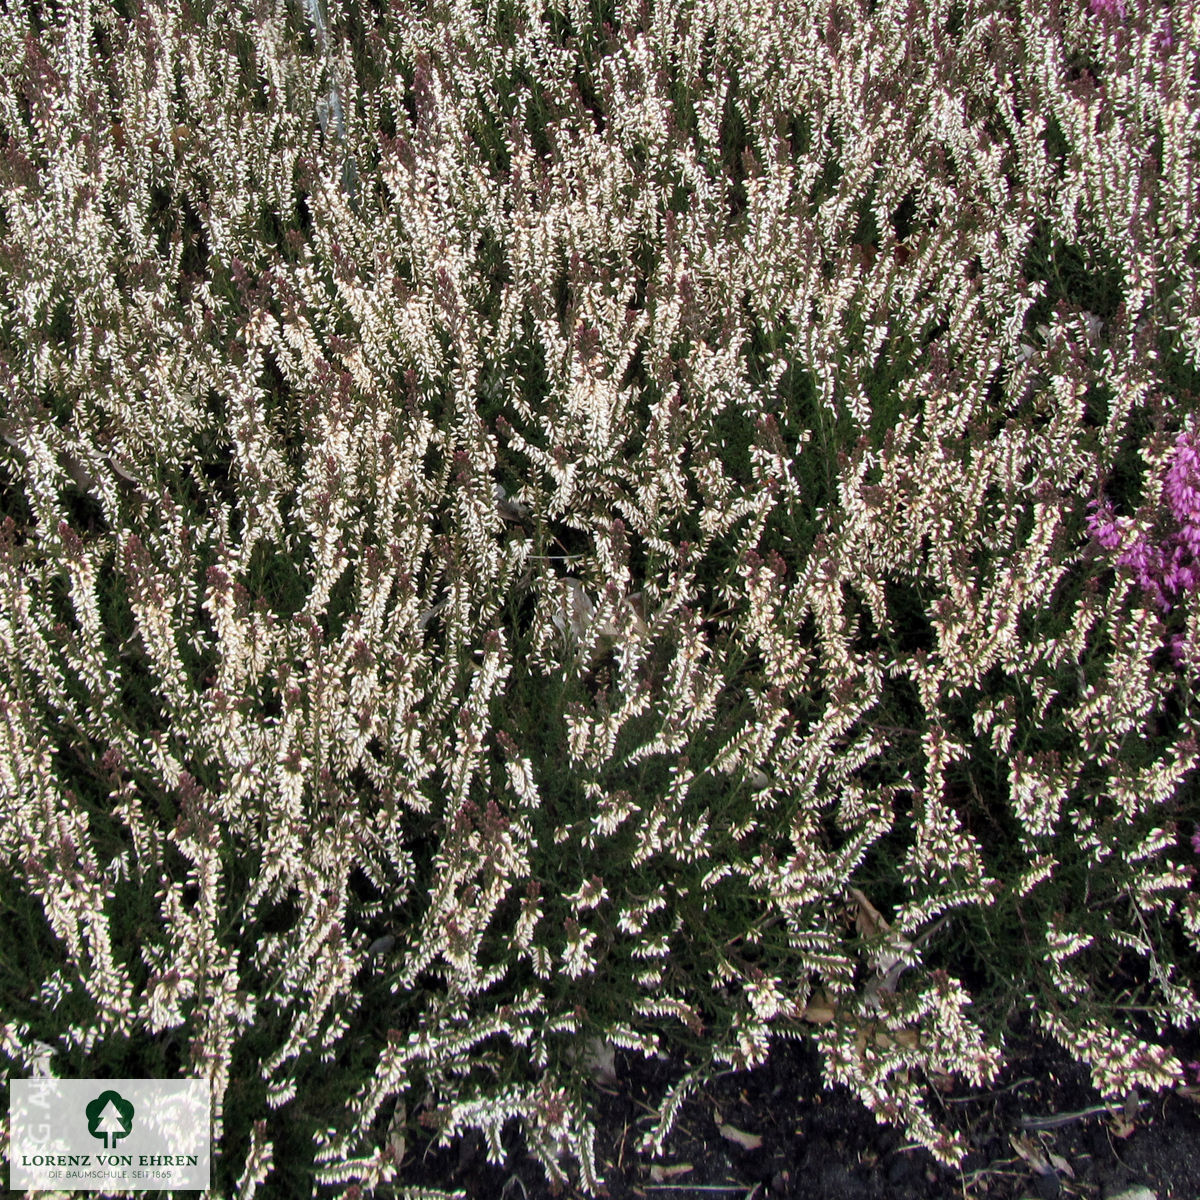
[(1108, 8), (1177, 644), (1181, 488), (1172, 567), (1104, 526), (1196, 841), (1149, 566)]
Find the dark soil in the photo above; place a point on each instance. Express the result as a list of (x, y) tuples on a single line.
[(823, 1144)]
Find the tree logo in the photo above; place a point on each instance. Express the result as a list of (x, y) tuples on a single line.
[(109, 1116)]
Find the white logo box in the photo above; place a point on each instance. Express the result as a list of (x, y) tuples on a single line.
[(109, 1134)]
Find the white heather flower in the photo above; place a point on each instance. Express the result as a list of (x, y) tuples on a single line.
[(577, 959), (767, 1000), (591, 894)]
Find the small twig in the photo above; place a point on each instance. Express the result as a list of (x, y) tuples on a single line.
[(983, 1172), (1113, 1147), (922, 938), (517, 1180), (1012, 1087), (642, 1104), (1066, 1118), (686, 1187)]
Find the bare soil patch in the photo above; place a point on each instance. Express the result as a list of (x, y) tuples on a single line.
[(1031, 1134)]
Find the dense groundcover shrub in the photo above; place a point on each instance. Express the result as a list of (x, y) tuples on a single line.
[(526, 525)]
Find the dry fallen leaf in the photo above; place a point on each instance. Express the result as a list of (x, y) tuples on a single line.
[(512, 511), (1031, 1152), (634, 604), (888, 959), (381, 945), (600, 1058), (396, 1138), (868, 920), (1121, 1128), (662, 1174), (576, 615), (821, 1009), (747, 1141), (430, 613), (575, 611), (884, 1038), (1061, 1165)]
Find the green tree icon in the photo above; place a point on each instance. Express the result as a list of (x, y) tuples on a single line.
[(109, 1116)]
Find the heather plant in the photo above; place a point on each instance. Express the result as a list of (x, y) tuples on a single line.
[(1166, 566), (531, 528)]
